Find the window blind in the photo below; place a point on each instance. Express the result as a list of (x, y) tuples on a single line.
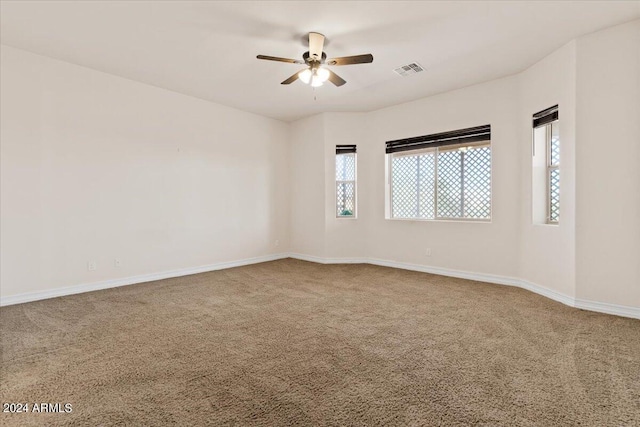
[(543, 117), (345, 149), (462, 136)]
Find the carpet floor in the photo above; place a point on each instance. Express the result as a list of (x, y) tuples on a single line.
[(296, 343)]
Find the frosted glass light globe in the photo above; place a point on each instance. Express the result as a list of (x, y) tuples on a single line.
[(322, 74), (305, 75)]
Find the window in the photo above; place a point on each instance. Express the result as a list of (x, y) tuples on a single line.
[(553, 172), (345, 181), (445, 176), (546, 167)]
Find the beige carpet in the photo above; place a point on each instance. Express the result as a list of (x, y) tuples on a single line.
[(290, 342)]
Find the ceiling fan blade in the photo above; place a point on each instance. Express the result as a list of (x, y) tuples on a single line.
[(316, 43), (350, 60), (291, 79), (336, 79), (276, 58)]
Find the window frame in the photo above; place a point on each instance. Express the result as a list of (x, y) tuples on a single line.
[(355, 186), (547, 118), (417, 152)]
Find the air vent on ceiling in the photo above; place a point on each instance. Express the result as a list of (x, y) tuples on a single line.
[(409, 69)]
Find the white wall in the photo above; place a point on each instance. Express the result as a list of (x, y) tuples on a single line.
[(591, 256), (96, 167), (307, 175), (345, 237), (490, 248), (547, 252), (608, 165), (469, 246)]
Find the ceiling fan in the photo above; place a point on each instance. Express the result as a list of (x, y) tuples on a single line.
[(316, 61)]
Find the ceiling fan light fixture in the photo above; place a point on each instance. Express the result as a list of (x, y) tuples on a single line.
[(322, 74), (315, 77), (305, 76)]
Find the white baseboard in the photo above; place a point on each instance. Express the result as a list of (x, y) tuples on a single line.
[(106, 284), (546, 292), (460, 274), (618, 310), (321, 260), (603, 307)]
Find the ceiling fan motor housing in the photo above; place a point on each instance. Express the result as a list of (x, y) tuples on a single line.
[(309, 60)]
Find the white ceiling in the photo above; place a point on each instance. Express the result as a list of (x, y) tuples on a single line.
[(208, 49)]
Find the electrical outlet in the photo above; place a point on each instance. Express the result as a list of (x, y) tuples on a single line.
[(276, 243), (117, 263), (92, 265), (427, 252)]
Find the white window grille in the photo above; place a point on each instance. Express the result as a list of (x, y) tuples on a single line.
[(450, 182), (346, 181), (553, 172)]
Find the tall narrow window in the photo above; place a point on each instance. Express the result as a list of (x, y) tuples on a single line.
[(445, 176), (345, 181), (553, 174), (546, 167)]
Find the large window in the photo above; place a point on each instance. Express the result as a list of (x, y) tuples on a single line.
[(444, 176), (546, 167), (346, 181)]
